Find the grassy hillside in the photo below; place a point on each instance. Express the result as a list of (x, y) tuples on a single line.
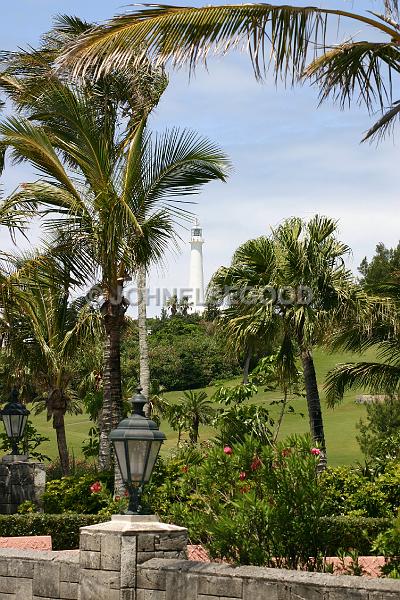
[(340, 423)]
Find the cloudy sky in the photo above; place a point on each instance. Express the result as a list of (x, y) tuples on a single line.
[(290, 157)]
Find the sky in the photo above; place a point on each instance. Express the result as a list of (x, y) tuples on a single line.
[(290, 157)]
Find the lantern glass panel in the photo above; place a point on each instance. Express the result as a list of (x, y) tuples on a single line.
[(121, 457), (154, 450), (14, 425), (138, 451)]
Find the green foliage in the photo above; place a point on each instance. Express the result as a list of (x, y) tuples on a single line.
[(350, 491), (381, 269), (79, 468), (184, 354), (73, 494), (379, 436), (248, 503), (64, 529), (388, 545)]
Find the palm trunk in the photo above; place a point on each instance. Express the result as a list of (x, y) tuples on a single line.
[(144, 366), (111, 413), (314, 404), (59, 426), (246, 367)]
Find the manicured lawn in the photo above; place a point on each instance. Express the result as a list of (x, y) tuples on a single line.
[(340, 423)]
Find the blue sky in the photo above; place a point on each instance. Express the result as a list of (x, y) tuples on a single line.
[(290, 157)]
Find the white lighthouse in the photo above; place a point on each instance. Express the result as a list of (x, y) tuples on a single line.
[(196, 279)]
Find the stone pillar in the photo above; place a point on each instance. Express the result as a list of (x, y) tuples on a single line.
[(20, 481), (110, 553)]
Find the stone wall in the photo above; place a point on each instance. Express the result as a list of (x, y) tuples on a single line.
[(185, 580), (20, 481), (32, 575), (139, 558)]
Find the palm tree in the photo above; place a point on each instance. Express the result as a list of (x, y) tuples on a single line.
[(280, 37), (197, 410), (112, 201), (43, 331), (296, 257)]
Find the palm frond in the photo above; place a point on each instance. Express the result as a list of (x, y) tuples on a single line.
[(281, 35), (375, 377), (356, 69), (385, 124)]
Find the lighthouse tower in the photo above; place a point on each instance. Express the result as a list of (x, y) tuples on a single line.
[(196, 279)]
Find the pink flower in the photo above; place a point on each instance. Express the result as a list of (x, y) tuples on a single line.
[(117, 498), (257, 462), (96, 487), (185, 469), (242, 475), (228, 450), (315, 451)]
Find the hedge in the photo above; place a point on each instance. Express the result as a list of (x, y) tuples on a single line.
[(64, 528), (351, 532), (337, 532)]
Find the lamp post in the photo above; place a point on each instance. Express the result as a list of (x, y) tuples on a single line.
[(137, 442), (14, 416)]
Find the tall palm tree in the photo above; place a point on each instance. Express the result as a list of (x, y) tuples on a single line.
[(298, 255), (42, 331), (114, 204), (283, 38)]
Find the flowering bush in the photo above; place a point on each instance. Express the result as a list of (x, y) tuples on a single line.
[(248, 503), (79, 494)]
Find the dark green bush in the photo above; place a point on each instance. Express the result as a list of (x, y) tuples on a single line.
[(64, 529), (351, 533), (73, 494)]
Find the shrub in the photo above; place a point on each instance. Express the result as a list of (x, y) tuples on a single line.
[(64, 529), (351, 533), (349, 490), (73, 494), (388, 544)]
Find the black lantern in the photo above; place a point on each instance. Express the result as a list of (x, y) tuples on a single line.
[(137, 442), (14, 416)]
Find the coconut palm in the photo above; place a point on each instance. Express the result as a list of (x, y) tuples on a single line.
[(283, 38), (42, 331), (114, 204), (267, 284)]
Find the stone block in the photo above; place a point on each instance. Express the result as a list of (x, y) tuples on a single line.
[(201, 597), (128, 595), (220, 586), (96, 585), (300, 591), (128, 561), (383, 595), (90, 541), (259, 590), (89, 559), (151, 579), (3, 567), (46, 579), (10, 597), (143, 557), (150, 595), (21, 568), (110, 552), (24, 589), (345, 593), (181, 586), (69, 591), (145, 543), (8, 585), (69, 572), (171, 542)]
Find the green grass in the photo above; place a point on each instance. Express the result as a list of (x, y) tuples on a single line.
[(340, 423)]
